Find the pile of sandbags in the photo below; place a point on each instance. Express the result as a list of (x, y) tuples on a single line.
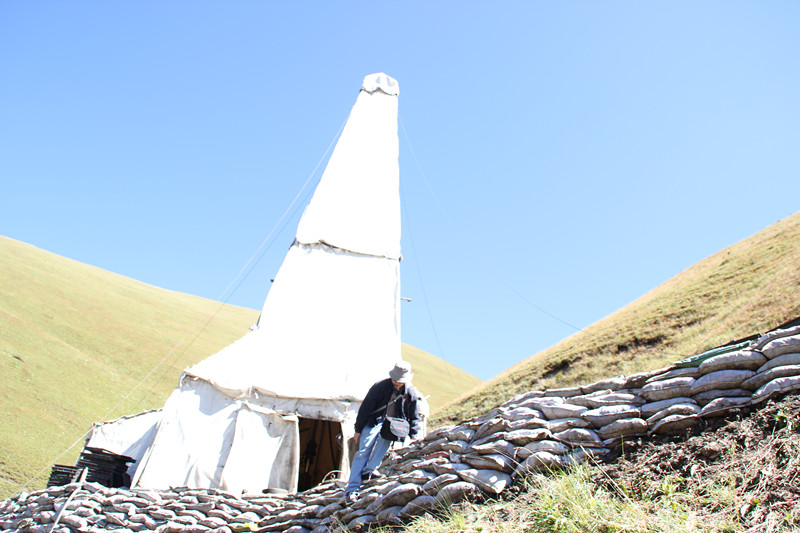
[(538, 431)]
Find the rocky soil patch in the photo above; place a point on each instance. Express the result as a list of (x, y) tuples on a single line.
[(754, 454)]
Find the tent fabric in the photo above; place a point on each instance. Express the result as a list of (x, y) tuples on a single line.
[(207, 439), (129, 436), (328, 310), (192, 440), (356, 205), (329, 329), (265, 445)]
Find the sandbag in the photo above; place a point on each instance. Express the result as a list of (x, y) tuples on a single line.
[(564, 392), (495, 425), (401, 495), (528, 423), (389, 514), (488, 439), (500, 446), (449, 468), (786, 359), (649, 409), (704, 398), (420, 477), (374, 506), (561, 424), (603, 416), (417, 506), (360, 522), (458, 446), (772, 335), (521, 437), (685, 372), (520, 399), (776, 386), (668, 388), (564, 410), (594, 401), (585, 400), (369, 501), (434, 446), (739, 360), (539, 462), (538, 402), (460, 433), (674, 423), (492, 461), (412, 462), (638, 380), (773, 373), (721, 379), (781, 346), (522, 413), (552, 446), (433, 486), (454, 493), (625, 427), (490, 481), (721, 406), (579, 437)]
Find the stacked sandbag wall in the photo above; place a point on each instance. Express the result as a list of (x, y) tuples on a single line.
[(537, 431)]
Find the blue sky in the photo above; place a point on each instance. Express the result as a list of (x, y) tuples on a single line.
[(580, 153)]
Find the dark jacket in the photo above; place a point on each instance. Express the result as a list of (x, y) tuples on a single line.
[(378, 396)]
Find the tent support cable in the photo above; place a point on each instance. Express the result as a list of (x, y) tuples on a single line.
[(422, 283), (469, 246)]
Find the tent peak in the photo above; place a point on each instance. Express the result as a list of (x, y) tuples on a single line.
[(380, 82)]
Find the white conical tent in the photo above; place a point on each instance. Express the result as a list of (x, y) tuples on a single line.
[(329, 328)]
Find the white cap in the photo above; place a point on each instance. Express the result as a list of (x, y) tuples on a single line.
[(401, 372), (380, 82)]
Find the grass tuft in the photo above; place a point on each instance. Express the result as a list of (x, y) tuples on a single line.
[(571, 502)]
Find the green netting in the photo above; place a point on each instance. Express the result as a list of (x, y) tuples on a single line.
[(696, 360)]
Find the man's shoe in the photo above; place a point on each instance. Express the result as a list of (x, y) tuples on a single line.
[(351, 497)]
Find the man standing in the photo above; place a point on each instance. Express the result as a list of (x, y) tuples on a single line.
[(394, 397)]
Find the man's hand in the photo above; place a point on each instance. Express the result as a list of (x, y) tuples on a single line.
[(357, 436)]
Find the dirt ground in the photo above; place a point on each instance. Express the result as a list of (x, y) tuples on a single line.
[(751, 457)]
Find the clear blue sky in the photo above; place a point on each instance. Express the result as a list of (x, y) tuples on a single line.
[(581, 153)]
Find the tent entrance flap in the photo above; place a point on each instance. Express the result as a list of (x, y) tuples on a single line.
[(320, 451)]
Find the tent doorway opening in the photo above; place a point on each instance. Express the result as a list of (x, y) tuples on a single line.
[(320, 451)]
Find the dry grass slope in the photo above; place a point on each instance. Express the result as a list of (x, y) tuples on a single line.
[(76, 340), (750, 287)]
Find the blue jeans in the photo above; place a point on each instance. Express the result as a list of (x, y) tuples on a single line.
[(371, 449)]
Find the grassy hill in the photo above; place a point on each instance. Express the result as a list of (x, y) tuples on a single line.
[(747, 288), (79, 344)]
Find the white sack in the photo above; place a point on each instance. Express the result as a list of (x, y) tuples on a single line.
[(721, 379), (781, 346), (668, 388), (738, 360), (773, 373)]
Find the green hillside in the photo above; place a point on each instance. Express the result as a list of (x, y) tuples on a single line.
[(750, 287), (79, 344)]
